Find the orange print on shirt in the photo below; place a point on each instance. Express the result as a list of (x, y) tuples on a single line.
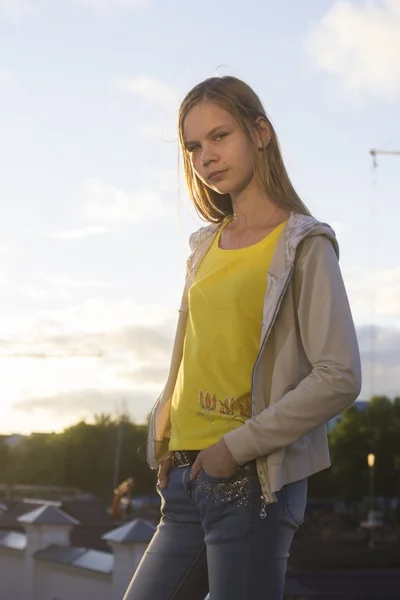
[(207, 402), (231, 407)]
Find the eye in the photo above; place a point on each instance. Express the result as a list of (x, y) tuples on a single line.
[(192, 149), (220, 136)]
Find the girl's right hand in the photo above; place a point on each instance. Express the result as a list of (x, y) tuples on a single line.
[(163, 472)]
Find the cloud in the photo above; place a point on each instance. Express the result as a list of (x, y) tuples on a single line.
[(95, 353), (95, 315), (148, 89), (381, 344), (15, 9), (157, 375), (380, 356), (360, 44), (116, 206), (56, 286), (8, 81), (83, 232), (73, 283), (165, 180), (159, 105), (144, 344), (339, 228), (380, 363), (7, 251), (374, 293), (34, 292), (85, 403), (109, 6), (87, 347)]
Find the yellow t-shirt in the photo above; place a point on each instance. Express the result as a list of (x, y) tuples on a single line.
[(212, 391)]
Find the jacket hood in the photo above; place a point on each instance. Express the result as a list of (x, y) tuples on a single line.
[(302, 226), (298, 228)]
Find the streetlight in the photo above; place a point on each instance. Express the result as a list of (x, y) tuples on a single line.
[(371, 464)]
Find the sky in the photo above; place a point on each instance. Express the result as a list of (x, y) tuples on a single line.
[(95, 215)]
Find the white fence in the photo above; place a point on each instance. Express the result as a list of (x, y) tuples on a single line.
[(41, 564)]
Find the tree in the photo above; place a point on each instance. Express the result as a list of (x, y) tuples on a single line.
[(82, 456), (376, 430), (4, 459)]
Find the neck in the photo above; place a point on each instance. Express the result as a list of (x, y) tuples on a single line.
[(253, 208)]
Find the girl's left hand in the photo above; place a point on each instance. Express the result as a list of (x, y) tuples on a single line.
[(216, 461)]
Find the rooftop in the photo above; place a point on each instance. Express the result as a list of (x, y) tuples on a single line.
[(134, 531), (47, 515), (93, 560), (12, 539)]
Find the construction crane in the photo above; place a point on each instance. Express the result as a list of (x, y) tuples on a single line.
[(374, 153)]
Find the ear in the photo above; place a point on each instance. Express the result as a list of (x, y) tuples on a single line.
[(263, 132)]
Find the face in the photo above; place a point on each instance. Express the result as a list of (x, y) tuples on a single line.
[(220, 152)]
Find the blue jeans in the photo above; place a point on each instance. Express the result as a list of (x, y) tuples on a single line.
[(215, 535)]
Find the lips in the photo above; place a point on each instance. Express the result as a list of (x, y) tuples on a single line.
[(216, 174)]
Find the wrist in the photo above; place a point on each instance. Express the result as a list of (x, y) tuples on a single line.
[(226, 450)]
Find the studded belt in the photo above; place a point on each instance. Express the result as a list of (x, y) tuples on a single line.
[(184, 458)]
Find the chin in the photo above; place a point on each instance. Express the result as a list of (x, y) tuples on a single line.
[(230, 187), (222, 188)]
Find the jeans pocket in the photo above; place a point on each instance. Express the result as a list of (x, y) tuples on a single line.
[(220, 492), (212, 479), (294, 499)]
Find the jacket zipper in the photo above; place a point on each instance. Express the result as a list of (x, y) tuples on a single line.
[(266, 497)]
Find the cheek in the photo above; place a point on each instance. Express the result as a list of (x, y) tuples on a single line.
[(196, 164), (195, 161), (243, 152), (197, 168), (249, 161)]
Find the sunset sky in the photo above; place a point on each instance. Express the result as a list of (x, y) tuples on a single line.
[(95, 219)]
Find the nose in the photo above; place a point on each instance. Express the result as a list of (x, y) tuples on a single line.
[(207, 156)]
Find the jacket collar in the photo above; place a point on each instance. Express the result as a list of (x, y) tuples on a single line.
[(298, 228)]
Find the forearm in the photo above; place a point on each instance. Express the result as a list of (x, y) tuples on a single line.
[(325, 393)]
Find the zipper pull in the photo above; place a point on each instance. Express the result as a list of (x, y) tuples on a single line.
[(263, 512)]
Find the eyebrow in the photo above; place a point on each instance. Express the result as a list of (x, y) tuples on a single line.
[(209, 134)]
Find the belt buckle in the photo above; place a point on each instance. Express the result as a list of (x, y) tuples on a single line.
[(180, 459)]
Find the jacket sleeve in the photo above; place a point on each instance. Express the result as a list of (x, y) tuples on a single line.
[(329, 340)]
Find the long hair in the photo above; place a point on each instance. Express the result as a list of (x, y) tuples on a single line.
[(238, 99)]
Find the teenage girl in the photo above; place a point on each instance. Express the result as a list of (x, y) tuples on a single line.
[(265, 354)]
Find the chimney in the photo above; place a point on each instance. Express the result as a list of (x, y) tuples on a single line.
[(45, 526), (128, 544)]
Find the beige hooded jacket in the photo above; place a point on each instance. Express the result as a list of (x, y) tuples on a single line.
[(308, 366)]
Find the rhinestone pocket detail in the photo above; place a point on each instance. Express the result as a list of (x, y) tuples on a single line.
[(234, 491)]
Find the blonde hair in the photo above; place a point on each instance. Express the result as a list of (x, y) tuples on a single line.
[(238, 99)]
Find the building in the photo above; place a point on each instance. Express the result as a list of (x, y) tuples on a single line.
[(90, 513), (40, 563)]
